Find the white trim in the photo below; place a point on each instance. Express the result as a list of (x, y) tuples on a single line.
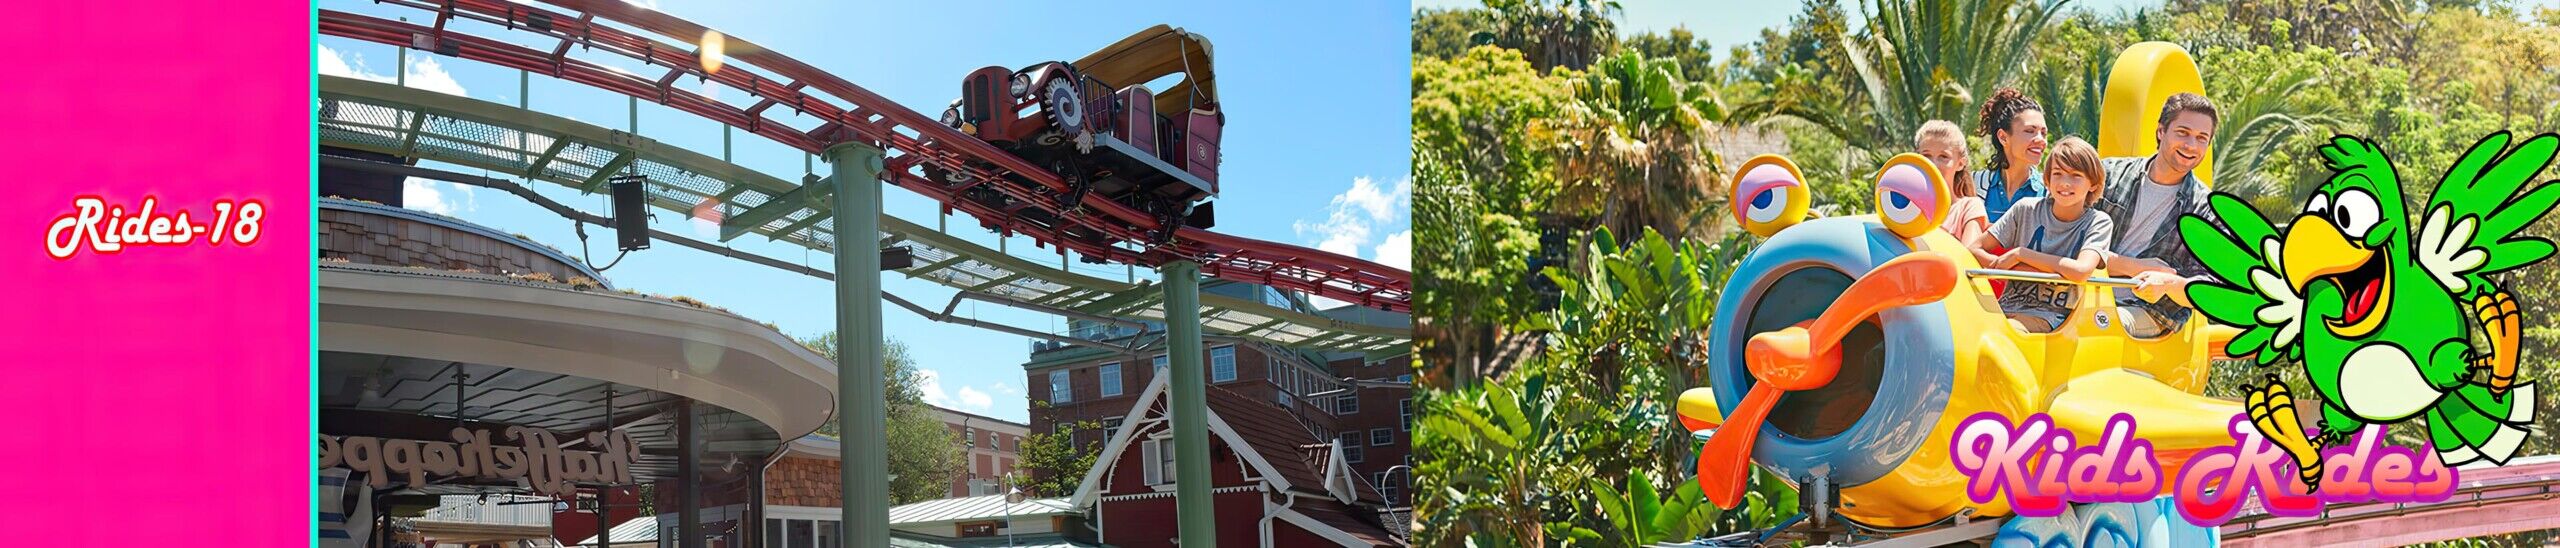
[(776, 511), (1328, 532), (1150, 459), (1086, 490), (1169, 494), (1337, 477), (1089, 489)]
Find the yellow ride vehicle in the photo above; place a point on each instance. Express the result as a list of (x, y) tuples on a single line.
[(1846, 349)]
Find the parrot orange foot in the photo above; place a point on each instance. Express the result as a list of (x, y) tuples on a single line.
[(2271, 410), (2498, 317)]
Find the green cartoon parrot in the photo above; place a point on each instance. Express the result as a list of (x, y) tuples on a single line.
[(2379, 308)]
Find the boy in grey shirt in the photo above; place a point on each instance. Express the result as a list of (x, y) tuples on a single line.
[(2056, 233)]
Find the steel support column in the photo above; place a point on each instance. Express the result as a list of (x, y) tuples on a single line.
[(1190, 410), (688, 464), (861, 413)]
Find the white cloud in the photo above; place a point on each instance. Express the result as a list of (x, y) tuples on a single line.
[(1397, 250), (930, 382), (971, 398), (440, 198), (1005, 388), (424, 72), (1355, 213), (967, 398)]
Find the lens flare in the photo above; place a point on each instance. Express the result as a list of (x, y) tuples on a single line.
[(714, 48)]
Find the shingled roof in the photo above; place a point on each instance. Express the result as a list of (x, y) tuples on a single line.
[(1274, 437)]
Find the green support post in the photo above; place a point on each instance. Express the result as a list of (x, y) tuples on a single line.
[(1194, 511), (861, 414)]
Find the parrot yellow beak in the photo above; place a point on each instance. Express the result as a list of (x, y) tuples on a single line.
[(1698, 409), (2314, 250)]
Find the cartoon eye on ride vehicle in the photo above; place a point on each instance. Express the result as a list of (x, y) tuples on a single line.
[(1098, 126), (1845, 350)]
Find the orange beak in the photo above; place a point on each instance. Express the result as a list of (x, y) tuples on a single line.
[(1806, 357)]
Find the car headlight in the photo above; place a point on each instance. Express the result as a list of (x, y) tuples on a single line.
[(1021, 85)]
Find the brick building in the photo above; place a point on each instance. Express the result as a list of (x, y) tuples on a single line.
[(993, 446), (1371, 414)]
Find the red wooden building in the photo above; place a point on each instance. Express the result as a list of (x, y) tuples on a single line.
[(1276, 483)]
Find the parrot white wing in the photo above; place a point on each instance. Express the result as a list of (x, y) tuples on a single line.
[(2284, 308), (2445, 250)]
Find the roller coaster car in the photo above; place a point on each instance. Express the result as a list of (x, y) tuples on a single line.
[(1098, 126), (1846, 350)]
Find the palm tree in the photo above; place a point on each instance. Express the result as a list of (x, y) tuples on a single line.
[(2259, 115), (1637, 161), (1569, 33), (1919, 60)]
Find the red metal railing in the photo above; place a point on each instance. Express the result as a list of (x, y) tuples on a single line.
[(1101, 228)]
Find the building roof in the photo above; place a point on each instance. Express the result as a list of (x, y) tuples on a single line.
[(899, 539), (974, 417), (633, 532), (1347, 519), (1283, 450), (1275, 434), (979, 508)]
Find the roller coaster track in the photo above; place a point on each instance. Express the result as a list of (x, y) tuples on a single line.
[(503, 139), (2490, 501), (1100, 229)]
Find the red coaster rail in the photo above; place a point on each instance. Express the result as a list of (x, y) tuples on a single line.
[(1102, 228)]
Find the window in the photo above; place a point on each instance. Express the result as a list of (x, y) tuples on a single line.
[(1111, 425), (1110, 379), (1275, 299), (1407, 379), (1382, 436), (1163, 363), (1159, 455), (969, 436), (791, 533), (1346, 404), (1222, 364), (1404, 410), (1387, 488), (1059, 392)]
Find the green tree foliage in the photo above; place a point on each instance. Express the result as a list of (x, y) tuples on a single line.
[(1513, 462), (1446, 33), (1574, 444), (1054, 460), (1568, 34), (1483, 167), (1632, 158), (1920, 60), (1695, 57), (923, 454)]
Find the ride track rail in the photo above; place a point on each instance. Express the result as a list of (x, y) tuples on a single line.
[(2511, 498), (523, 145), (1112, 231)]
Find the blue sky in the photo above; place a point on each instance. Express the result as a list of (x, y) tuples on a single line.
[(1316, 145)]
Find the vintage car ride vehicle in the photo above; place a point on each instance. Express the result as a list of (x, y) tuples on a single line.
[(1097, 124)]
